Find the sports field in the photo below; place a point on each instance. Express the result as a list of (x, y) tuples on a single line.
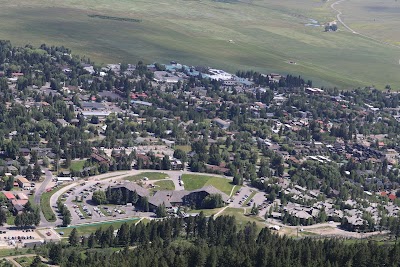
[(264, 35)]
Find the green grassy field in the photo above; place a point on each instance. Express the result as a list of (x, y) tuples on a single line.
[(149, 175), (382, 21), (187, 149), (265, 35), (193, 181), (77, 165), (90, 228), (164, 185), (13, 252)]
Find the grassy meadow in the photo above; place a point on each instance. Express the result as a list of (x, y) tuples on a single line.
[(194, 181), (265, 35)]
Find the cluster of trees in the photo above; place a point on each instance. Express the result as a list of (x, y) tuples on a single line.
[(201, 241), (331, 27), (29, 216), (212, 201), (120, 197), (65, 213)]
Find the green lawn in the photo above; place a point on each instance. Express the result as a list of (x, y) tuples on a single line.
[(12, 252), (45, 205), (193, 181), (187, 149), (149, 175), (207, 212), (10, 220), (242, 219), (164, 185), (90, 228), (77, 165)]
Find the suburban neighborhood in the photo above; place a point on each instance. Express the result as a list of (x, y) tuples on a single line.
[(133, 142)]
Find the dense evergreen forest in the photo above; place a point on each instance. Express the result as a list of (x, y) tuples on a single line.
[(202, 241)]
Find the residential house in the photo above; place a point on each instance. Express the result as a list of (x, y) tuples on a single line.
[(23, 182)]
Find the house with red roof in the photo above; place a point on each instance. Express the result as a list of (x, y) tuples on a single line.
[(10, 196)]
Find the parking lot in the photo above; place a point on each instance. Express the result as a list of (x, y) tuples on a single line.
[(78, 200), (17, 238), (240, 197), (258, 199)]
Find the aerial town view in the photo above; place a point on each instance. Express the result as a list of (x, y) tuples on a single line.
[(156, 158)]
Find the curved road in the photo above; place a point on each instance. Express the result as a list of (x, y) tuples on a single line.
[(339, 18), (40, 191)]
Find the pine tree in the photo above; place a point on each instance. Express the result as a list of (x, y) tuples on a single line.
[(55, 253), (161, 212), (37, 262), (91, 241), (73, 238), (3, 217), (37, 171), (29, 173), (123, 235), (254, 210)]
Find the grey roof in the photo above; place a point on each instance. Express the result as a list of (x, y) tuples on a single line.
[(92, 105), (212, 190), (134, 187), (167, 197), (109, 94)]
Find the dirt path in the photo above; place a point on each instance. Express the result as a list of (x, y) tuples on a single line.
[(233, 188), (339, 14), (339, 18), (219, 212)]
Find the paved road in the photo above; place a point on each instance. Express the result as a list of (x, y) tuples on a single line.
[(42, 188), (39, 192)]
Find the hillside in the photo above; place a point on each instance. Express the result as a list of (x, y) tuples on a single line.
[(267, 35)]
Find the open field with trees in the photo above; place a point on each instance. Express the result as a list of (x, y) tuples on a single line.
[(260, 35)]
